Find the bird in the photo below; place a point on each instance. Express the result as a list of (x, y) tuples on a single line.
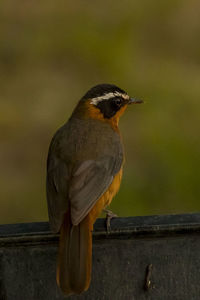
[(84, 172)]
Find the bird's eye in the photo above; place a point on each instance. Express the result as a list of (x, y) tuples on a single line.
[(118, 101)]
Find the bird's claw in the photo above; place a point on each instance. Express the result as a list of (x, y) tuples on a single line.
[(109, 216)]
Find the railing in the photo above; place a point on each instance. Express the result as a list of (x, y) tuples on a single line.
[(152, 257)]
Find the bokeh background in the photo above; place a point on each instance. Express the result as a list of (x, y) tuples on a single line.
[(52, 52)]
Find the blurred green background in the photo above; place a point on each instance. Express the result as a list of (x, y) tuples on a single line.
[(52, 52)]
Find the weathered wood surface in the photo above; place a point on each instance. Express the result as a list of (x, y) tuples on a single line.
[(171, 244)]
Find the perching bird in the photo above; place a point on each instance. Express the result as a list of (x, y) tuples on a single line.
[(84, 171)]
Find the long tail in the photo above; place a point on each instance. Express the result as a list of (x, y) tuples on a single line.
[(74, 256)]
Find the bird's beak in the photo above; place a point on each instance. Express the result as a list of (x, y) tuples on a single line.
[(134, 101)]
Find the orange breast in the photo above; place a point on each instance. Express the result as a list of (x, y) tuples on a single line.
[(106, 198)]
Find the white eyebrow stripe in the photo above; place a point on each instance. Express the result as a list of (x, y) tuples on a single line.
[(108, 96)]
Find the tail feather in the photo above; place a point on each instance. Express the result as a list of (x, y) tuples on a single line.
[(74, 256)]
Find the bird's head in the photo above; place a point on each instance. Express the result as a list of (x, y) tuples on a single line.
[(105, 102)]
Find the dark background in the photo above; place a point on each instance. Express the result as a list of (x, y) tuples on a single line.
[(52, 52)]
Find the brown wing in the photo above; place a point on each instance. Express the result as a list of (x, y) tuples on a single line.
[(89, 182), (74, 180), (57, 190)]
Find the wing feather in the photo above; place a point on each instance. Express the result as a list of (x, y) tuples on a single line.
[(80, 168), (88, 186), (57, 189)]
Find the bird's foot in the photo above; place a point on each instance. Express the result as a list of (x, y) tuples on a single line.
[(109, 216)]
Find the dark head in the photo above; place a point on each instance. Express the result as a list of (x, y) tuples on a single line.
[(106, 101)]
